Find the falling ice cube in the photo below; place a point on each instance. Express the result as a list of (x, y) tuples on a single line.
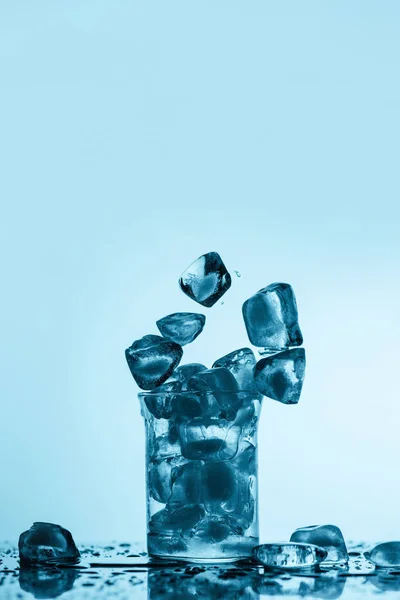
[(326, 536), (241, 364), (46, 542), (181, 328), (222, 385), (152, 360), (281, 375), (288, 555), (271, 318), (385, 555), (206, 280)]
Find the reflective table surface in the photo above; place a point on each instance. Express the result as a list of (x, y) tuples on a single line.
[(124, 571)]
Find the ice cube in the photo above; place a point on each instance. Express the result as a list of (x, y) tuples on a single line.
[(289, 555), (206, 280), (213, 529), (223, 386), (152, 360), (159, 402), (187, 405), (326, 536), (185, 372), (160, 485), (241, 364), (181, 520), (385, 555), (281, 375), (227, 492), (209, 439), (271, 318), (186, 485), (181, 328), (47, 542), (164, 447)]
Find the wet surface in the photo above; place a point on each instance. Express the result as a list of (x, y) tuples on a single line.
[(124, 571)]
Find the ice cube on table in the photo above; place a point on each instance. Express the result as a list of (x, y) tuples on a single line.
[(385, 555), (326, 536), (241, 364), (271, 318), (182, 327), (152, 360), (206, 280), (222, 385), (289, 555), (281, 375), (47, 542)]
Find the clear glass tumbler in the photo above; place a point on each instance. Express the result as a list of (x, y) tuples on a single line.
[(201, 466)]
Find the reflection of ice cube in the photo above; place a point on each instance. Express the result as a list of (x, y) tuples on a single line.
[(47, 583), (327, 536), (45, 542), (206, 279), (241, 364), (209, 439), (152, 360), (181, 328), (186, 485), (289, 555), (223, 386), (281, 375), (271, 318)]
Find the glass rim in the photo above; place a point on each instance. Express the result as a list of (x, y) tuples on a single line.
[(146, 394)]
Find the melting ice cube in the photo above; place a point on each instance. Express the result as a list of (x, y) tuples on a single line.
[(181, 328), (241, 364), (152, 360), (281, 375), (385, 555), (271, 318), (206, 280), (326, 536), (47, 542), (289, 555)]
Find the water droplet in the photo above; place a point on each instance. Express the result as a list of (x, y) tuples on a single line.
[(237, 274)]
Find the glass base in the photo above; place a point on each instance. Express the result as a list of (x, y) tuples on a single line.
[(232, 549)]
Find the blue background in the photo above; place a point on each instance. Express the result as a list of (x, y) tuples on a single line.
[(136, 136)]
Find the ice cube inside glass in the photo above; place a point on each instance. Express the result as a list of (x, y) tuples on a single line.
[(201, 468)]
